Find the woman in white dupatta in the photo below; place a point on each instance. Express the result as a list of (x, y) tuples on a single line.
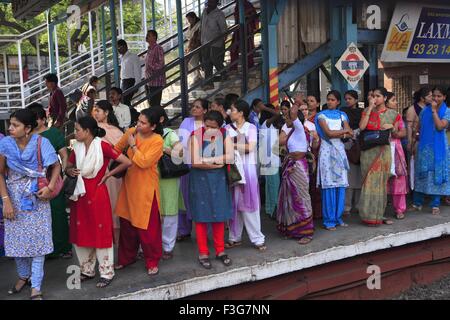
[(90, 212)]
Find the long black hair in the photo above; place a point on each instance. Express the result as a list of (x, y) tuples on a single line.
[(153, 117), (421, 94), (242, 106), (38, 110), (89, 123), (107, 107), (25, 116)]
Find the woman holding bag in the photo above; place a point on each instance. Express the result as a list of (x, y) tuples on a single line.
[(60, 222), (376, 161), (169, 188), (26, 209), (91, 226), (246, 201), (209, 193)]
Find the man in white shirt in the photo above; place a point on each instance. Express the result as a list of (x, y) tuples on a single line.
[(81, 53), (121, 111), (131, 71)]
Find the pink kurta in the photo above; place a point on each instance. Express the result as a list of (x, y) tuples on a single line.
[(113, 135), (399, 185)]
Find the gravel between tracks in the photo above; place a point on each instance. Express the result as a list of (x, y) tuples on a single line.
[(438, 290)]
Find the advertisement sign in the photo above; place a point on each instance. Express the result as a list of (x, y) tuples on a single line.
[(418, 33), (352, 65)]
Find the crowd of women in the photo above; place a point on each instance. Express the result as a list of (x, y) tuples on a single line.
[(315, 165)]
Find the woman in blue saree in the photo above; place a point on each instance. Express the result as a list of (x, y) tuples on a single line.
[(432, 170), (26, 209)]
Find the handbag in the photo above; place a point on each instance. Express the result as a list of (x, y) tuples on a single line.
[(70, 184), (169, 169), (233, 175), (369, 139), (354, 153), (44, 181)]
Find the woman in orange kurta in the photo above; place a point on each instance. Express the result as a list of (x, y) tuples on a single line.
[(138, 202)]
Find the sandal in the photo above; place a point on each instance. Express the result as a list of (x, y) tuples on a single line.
[(153, 271), (103, 282), (414, 208), (260, 247), (305, 240), (400, 216), (344, 225), (330, 228), (14, 290), (231, 244), (167, 255), (225, 259), (184, 237), (435, 211), (85, 277), (388, 222), (205, 263), (37, 296)]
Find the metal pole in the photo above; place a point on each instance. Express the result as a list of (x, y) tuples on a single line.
[(153, 15), (58, 71), (19, 55), (91, 44), (122, 32), (144, 17), (183, 69), (243, 44), (51, 43), (105, 57), (114, 42), (38, 50), (5, 65), (99, 41), (171, 21), (69, 48), (200, 8)]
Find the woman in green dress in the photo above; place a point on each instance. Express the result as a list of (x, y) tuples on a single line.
[(376, 162), (171, 199), (60, 221)]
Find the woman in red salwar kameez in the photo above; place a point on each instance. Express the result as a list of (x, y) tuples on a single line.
[(91, 226)]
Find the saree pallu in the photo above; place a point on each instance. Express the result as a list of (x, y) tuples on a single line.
[(398, 185), (375, 166), (294, 213)]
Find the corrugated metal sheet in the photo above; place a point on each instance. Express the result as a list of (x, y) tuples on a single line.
[(303, 27)]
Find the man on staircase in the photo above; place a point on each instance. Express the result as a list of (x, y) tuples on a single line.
[(154, 69), (213, 24)]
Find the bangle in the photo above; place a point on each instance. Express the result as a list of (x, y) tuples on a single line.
[(49, 189), (5, 197)]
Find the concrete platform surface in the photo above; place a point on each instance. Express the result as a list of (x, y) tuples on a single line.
[(183, 276)]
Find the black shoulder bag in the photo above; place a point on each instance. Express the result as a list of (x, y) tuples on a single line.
[(168, 169)]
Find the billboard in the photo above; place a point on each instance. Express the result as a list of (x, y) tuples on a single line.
[(418, 33)]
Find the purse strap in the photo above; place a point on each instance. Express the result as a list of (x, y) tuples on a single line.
[(39, 155)]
